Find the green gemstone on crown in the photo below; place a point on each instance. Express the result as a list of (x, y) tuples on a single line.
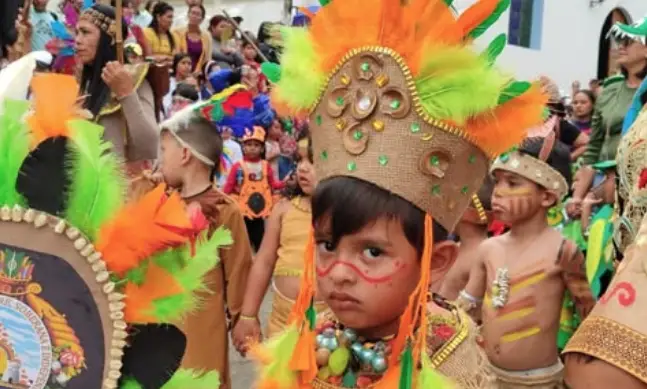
[(318, 120), (435, 161), (351, 166), (395, 104), (324, 155), (464, 190), (365, 66), (383, 160), (357, 135), (471, 159), (435, 189), (415, 127), (339, 101)]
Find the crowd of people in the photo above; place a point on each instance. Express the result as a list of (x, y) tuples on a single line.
[(422, 219)]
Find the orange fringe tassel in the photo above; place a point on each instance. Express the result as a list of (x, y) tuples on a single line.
[(142, 228), (508, 124), (54, 100)]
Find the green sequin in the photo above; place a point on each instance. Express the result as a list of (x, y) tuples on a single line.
[(383, 160), (504, 157), (434, 160), (435, 189), (366, 67), (464, 190), (324, 155), (340, 101), (415, 127), (395, 104), (351, 166), (471, 159), (357, 134), (318, 120)]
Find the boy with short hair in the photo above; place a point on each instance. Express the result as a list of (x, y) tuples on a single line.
[(522, 276), (190, 149)]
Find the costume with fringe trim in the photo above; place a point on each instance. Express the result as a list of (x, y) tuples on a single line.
[(406, 105), (90, 284)]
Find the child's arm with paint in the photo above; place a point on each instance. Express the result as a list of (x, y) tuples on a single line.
[(470, 299)]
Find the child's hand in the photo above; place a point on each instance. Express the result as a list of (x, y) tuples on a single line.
[(246, 332), (155, 177), (574, 208), (590, 201)]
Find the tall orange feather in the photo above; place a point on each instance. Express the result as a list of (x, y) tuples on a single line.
[(54, 105), (509, 123), (142, 228), (476, 14)]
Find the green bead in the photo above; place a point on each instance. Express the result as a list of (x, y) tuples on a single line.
[(504, 157), (324, 155), (339, 360), (349, 380), (435, 189), (352, 166), (464, 190), (471, 159), (318, 120), (383, 160), (435, 161), (340, 101), (357, 134), (415, 127), (366, 67), (395, 104)]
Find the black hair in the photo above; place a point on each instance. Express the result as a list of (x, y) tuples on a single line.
[(91, 81), (350, 204), (176, 60), (202, 9), (296, 190), (160, 9), (187, 91), (485, 193), (559, 157), (641, 74), (589, 94)]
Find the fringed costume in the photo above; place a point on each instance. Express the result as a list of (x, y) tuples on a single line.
[(90, 284), (406, 104)]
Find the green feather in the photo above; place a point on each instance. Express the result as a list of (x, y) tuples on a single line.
[(324, 2), (456, 84), (406, 364), (301, 77), (487, 23), (185, 378), (430, 378), (495, 48), (98, 186), (449, 2), (14, 147), (130, 383), (514, 89), (189, 273), (272, 71)]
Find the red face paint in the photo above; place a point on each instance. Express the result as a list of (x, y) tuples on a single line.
[(324, 272)]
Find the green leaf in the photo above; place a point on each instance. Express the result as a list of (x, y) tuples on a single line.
[(495, 48), (514, 89), (406, 362), (487, 23), (272, 71)]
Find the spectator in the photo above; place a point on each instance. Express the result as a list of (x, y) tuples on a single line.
[(192, 39), (180, 71), (41, 25), (223, 52), (158, 35), (206, 89), (583, 103), (141, 17)]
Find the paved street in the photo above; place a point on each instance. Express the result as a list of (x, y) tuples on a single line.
[(242, 371)]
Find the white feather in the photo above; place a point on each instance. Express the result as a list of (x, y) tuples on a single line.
[(15, 79)]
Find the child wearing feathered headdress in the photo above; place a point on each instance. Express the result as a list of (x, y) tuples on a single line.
[(190, 150)]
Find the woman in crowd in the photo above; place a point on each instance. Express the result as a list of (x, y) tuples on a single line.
[(583, 103), (194, 41), (158, 35), (225, 53), (180, 72), (119, 97)]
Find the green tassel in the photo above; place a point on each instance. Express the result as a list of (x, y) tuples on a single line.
[(495, 48), (514, 89), (272, 71), (311, 315), (349, 380), (324, 2), (406, 364), (487, 23)]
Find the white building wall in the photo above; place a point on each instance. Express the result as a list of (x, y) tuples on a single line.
[(570, 40)]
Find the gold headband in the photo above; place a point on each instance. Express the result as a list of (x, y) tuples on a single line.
[(534, 170), (104, 22)]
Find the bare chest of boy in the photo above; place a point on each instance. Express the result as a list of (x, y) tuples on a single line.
[(522, 304)]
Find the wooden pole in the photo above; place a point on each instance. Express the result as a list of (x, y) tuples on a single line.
[(245, 37), (119, 11)]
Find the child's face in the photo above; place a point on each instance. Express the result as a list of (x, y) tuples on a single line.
[(306, 176), (252, 148), (249, 52), (172, 159), (516, 199), (275, 130), (184, 67), (367, 278)]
